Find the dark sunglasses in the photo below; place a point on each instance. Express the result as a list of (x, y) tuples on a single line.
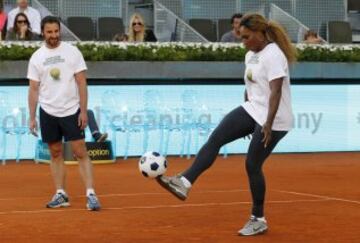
[(21, 22), (137, 23)]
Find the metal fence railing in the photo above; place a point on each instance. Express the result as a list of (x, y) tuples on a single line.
[(314, 14), (169, 27), (295, 29), (311, 13), (216, 9), (202, 9), (66, 34)]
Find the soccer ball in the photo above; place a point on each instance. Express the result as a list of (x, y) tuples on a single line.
[(152, 164)]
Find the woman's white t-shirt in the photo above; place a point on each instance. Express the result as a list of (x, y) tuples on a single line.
[(261, 68), (55, 70)]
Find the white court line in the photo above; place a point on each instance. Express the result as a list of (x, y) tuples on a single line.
[(194, 192), (165, 193), (319, 196), (130, 194), (155, 206)]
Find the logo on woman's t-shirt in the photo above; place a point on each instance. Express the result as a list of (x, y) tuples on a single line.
[(254, 59), (249, 75)]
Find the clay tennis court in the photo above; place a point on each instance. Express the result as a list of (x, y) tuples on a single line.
[(310, 198)]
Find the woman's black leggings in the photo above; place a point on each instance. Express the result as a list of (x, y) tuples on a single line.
[(237, 124), (93, 126)]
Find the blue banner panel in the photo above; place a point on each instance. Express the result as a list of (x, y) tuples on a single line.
[(177, 119)]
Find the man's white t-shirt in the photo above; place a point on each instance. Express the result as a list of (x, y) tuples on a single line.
[(55, 70), (261, 68), (31, 13)]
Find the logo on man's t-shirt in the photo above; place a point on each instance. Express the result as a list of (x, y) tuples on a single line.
[(55, 73), (53, 60)]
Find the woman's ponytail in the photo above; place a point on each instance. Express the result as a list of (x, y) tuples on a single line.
[(275, 33)]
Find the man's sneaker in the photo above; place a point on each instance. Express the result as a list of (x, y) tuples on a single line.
[(58, 200), (101, 137), (174, 185), (254, 227), (93, 203)]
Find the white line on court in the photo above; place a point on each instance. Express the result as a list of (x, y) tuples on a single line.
[(131, 194), (155, 206), (319, 196), (162, 193)]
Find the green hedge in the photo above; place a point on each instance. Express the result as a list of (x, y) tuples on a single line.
[(105, 51)]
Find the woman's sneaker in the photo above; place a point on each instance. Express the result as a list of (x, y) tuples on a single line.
[(254, 227), (93, 203), (100, 137), (174, 185), (58, 200)]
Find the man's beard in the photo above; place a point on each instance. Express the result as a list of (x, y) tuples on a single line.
[(53, 42)]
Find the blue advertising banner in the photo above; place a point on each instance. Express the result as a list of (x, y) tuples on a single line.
[(177, 119)]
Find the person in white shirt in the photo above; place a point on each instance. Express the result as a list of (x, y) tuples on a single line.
[(32, 14), (57, 79), (266, 115)]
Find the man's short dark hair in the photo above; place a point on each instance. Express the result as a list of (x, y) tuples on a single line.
[(236, 16), (309, 33), (49, 20)]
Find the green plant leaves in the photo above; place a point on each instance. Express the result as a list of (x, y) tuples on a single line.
[(111, 51)]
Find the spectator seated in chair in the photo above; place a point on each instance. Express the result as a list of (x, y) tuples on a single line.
[(33, 16), (22, 30), (234, 34), (311, 37), (138, 32), (121, 38)]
